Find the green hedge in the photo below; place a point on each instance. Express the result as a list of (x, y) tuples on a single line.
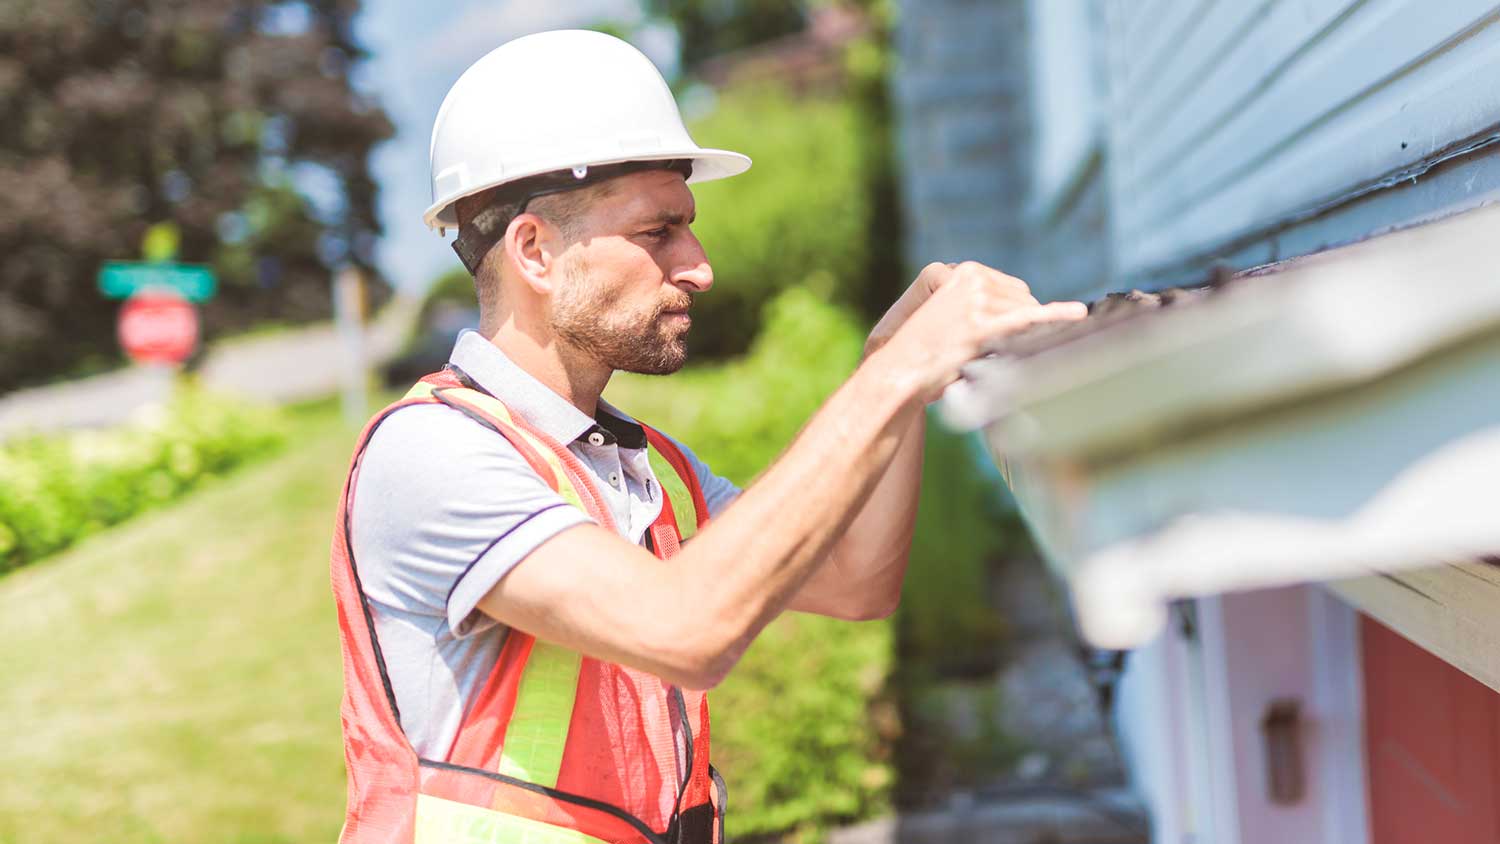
[(948, 623), (55, 490), (803, 214)]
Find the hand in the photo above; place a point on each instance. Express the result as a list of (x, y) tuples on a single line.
[(950, 315), (928, 280)]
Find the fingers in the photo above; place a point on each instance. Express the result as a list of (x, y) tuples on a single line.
[(1019, 319), (991, 286), (987, 287)]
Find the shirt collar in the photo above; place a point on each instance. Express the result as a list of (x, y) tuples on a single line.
[(523, 394)]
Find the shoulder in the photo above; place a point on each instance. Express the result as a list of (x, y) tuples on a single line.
[(441, 500), (418, 435), (428, 454)]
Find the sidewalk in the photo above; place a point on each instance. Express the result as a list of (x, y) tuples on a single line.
[(294, 365)]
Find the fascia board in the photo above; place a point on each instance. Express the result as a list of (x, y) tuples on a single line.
[(1337, 419)]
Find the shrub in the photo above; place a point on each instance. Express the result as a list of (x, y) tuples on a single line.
[(54, 490), (948, 623), (803, 214)]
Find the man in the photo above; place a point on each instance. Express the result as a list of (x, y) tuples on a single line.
[(525, 631)]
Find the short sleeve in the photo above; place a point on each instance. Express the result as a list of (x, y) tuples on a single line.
[(718, 492), (443, 509)]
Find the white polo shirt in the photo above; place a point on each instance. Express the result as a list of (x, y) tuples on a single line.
[(444, 507)]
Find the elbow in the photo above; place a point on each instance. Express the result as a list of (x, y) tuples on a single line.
[(879, 610), (703, 673), (702, 678), (871, 608), (698, 660), (881, 600)]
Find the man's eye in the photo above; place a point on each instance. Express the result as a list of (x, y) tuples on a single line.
[(659, 233)]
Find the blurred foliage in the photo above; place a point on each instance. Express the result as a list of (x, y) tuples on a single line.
[(805, 213), (948, 623), (452, 289), (121, 114), (801, 755), (708, 28), (804, 727), (448, 305), (55, 490)]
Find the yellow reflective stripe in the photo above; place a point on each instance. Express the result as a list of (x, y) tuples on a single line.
[(442, 821), (538, 728), (496, 408), (677, 490), (420, 390)]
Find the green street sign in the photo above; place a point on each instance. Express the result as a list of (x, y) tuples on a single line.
[(120, 279)]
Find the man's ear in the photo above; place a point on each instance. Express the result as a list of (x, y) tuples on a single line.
[(530, 243)]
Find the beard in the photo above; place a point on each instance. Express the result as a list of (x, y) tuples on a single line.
[(588, 316)]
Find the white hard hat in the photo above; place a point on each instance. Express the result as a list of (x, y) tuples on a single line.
[(593, 99)]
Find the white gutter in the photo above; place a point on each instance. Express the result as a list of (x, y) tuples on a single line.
[(1338, 414)]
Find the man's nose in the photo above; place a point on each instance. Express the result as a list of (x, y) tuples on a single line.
[(694, 269)]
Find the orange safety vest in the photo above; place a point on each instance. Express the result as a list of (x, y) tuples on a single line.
[(558, 747)]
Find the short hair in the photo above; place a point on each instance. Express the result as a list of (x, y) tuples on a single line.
[(567, 211)]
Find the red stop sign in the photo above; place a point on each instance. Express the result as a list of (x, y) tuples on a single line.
[(158, 326)]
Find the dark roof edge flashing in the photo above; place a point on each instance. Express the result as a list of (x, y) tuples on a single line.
[(1453, 155)]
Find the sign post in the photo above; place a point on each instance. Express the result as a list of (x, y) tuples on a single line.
[(348, 321)]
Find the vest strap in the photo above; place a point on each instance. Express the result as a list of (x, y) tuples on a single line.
[(684, 481)]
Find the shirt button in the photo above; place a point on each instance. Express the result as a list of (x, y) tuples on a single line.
[(596, 438), (614, 479)]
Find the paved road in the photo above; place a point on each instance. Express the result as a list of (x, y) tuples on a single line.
[(293, 365)]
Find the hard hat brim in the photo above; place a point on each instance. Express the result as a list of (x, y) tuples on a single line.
[(708, 165)]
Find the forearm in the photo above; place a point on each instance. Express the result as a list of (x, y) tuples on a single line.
[(747, 564), (862, 576)]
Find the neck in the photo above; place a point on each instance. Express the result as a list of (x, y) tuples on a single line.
[(562, 369)]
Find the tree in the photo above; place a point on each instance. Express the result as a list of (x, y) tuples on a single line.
[(707, 28), (200, 113)]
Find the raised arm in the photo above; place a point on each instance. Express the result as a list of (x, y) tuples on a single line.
[(688, 620)]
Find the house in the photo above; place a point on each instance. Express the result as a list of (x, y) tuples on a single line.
[(1274, 487)]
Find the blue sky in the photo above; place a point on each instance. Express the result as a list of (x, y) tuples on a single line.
[(417, 51)]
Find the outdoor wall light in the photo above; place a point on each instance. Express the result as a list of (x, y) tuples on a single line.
[(1281, 727)]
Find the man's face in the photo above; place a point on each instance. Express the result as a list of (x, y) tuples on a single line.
[(629, 276)]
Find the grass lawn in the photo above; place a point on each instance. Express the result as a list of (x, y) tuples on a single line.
[(176, 679)]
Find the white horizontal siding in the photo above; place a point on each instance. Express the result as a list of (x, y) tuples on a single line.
[(1262, 111)]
